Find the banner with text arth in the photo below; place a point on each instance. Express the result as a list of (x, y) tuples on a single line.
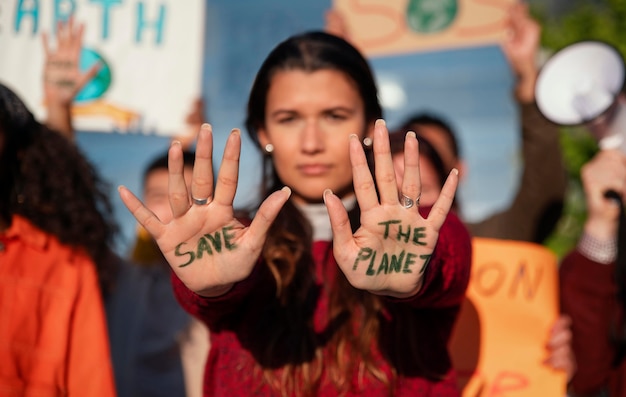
[(150, 52)]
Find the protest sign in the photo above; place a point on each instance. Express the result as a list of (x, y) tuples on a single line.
[(499, 342), (149, 51), (387, 27)]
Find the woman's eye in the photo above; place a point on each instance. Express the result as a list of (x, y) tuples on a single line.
[(337, 116), (286, 119)]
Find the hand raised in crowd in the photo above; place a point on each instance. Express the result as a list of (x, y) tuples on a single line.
[(335, 23), (606, 171), (206, 246), (560, 353), (62, 78), (521, 47), (388, 254)]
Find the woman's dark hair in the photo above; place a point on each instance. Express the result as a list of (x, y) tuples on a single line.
[(47, 180), (287, 340), (310, 52)]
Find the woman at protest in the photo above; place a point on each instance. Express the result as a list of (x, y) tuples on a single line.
[(55, 260), (592, 282), (336, 286)]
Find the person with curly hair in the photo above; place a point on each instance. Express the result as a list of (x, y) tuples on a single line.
[(55, 262)]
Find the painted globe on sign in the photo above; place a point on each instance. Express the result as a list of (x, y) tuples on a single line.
[(97, 86), (431, 16)]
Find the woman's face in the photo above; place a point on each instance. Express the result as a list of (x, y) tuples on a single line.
[(309, 118)]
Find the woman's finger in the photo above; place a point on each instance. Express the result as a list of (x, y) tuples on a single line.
[(177, 188), (364, 187), (144, 216), (442, 206), (265, 216), (339, 221), (228, 175), (385, 174), (411, 183), (202, 179)]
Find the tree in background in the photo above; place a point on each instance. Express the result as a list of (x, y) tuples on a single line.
[(603, 20)]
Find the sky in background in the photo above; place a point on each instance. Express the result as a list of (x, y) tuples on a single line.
[(471, 88)]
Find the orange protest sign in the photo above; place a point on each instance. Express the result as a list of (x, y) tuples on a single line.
[(498, 344), (392, 27)]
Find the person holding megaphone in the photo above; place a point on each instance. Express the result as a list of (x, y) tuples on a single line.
[(592, 282), (583, 84)]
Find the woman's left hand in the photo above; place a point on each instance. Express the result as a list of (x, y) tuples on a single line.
[(390, 251)]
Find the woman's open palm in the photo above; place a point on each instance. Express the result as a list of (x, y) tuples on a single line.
[(389, 252), (206, 246)]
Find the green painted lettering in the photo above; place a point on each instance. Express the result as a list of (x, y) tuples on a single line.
[(410, 260), (203, 245), (426, 261), (404, 236), (386, 224), (177, 252), (216, 241), (396, 262), (370, 269), (364, 253), (418, 233), (228, 243), (384, 264)]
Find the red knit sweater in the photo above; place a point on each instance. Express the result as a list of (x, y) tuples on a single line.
[(238, 319), (589, 297)]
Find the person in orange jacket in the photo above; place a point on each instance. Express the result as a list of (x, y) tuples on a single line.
[(55, 262)]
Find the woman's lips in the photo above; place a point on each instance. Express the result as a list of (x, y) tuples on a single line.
[(314, 169)]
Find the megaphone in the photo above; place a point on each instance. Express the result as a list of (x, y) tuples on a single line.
[(582, 85)]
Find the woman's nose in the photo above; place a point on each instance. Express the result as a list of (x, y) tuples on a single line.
[(312, 137)]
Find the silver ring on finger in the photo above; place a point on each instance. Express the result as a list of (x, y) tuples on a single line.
[(406, 201), (197, 201)]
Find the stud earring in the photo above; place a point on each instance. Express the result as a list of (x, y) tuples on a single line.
[(269, 148), (367, 142)]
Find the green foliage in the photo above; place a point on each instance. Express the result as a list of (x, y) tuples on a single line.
[(603, 20)]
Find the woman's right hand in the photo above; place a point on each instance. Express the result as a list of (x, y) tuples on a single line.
[(206, 246), (606, 171)]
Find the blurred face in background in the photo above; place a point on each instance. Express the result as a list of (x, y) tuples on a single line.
[(441, 142), (155, 192)]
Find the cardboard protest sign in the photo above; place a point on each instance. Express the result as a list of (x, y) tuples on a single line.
[(150, 52), (386, 27), (498, 345)]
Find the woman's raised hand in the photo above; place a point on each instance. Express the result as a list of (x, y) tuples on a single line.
[(390, 251), (208, 249)]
